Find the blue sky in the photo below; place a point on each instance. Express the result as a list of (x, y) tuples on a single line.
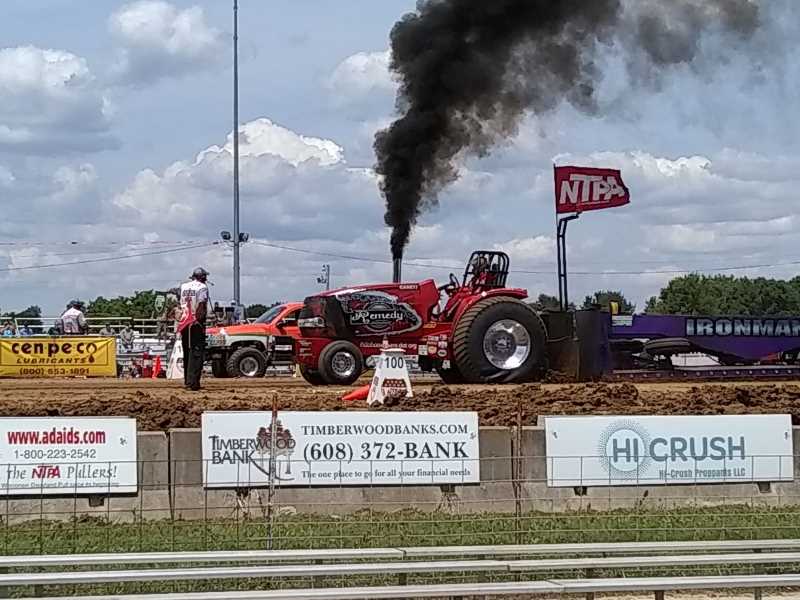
[(114, 117)]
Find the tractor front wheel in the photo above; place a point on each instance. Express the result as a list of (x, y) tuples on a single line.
[(500, 340), (312, 376), (450, 376), (341, 363), (247, 362)]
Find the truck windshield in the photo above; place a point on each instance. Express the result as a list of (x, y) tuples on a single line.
[(270, 315)]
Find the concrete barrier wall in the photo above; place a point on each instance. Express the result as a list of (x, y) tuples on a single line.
[(513, 477)]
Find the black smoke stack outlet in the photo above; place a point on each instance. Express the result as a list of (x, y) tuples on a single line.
[(397, 272)]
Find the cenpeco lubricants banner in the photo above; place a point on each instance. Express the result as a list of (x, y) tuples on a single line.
[(58, 356), (664, 450), (339, 448)]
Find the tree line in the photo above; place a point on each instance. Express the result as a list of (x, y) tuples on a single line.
[(696, 294), (692, 294)]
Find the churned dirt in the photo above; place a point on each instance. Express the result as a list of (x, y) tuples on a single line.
[(160, 404)]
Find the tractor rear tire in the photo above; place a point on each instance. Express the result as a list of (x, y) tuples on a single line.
[(500, 340), (247, 362), (450, 376), (341, 363), (218, 368), (312, 376)]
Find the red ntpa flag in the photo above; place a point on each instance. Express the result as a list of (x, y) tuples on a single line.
[(588, 188)]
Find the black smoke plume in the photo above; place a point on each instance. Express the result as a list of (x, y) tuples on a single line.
[(470, 69)]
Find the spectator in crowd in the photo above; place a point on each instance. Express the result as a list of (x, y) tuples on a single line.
[(9, 330), (25, 331), (106, 331), (73, 321), (238, 313), (126, 337)]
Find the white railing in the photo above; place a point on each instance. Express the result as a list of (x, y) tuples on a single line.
[(449, 560)]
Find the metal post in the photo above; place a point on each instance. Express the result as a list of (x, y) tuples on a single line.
[(561, 244), (236, 235), (325, 277)]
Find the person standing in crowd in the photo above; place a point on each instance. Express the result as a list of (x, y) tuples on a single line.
[(192, 327), (73, 321), (126, 337), (106, 331), (8, 330), (25, 331)]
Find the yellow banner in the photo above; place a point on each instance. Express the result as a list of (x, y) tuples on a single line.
[(58, 357)]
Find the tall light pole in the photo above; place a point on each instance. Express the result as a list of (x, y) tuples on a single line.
[(236, 234)]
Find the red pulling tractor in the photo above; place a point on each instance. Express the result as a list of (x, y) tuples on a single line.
[(484, 333)]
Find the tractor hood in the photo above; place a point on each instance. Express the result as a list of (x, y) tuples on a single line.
[(382, 309)]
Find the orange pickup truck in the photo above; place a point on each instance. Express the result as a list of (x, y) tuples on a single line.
[(247, 350)]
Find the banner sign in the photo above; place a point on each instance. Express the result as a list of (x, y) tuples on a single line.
[(67, 456), (340, 448), (586, 188), (58, 356), (651, 450)]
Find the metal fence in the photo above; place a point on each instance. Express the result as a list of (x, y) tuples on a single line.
[(513, 504)]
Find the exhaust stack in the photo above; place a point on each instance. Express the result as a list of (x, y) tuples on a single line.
[(397, 264)]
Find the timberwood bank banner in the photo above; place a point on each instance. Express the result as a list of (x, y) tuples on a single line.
[(348, 448), (655, 450), (67, 456), (58, 356)]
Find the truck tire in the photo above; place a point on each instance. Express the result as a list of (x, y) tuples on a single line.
[(450, 376), (341, 363), (247, 362), (500, 340), (312, 376), (218, 368)]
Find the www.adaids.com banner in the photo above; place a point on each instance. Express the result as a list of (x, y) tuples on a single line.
[(67, 456), (340, 449)]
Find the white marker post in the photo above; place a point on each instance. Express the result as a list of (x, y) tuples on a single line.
[(391, 378), (175, 368)]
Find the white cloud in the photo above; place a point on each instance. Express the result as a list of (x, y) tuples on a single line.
[(51, 102), (158, 40), (292, 187), (360, 77)]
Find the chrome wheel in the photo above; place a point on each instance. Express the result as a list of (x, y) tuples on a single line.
[(248, 366), (507, 344), (343, 364)]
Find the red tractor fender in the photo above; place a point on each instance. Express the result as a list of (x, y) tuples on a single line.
[(469, 302)]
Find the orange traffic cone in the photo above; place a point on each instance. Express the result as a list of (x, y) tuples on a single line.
[(157, 367), (358, 394)]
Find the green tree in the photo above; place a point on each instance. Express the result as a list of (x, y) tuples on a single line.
[(31, 317), (141, 305), (545, 302), (255, 310), (721, 295), (604, 298)]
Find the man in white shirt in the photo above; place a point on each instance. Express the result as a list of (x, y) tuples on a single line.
[(73, 322), (192, 327)]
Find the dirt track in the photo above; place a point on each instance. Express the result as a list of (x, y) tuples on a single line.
[(160, 404)]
